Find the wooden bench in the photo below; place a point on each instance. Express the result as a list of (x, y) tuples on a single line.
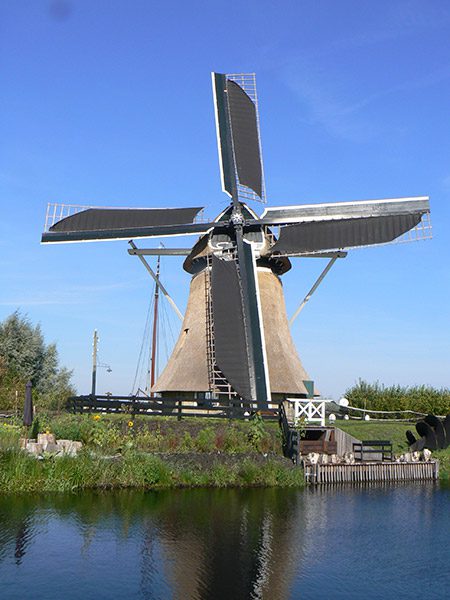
[(382, 448)]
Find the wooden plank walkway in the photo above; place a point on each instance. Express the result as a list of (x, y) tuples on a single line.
[(368, 472)]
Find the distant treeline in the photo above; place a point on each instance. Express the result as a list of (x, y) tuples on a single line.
[(420, 398)]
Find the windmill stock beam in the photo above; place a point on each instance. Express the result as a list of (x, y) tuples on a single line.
[(125, 233), (159, 251)]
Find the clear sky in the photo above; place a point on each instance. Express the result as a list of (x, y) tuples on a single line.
[(108, 102)]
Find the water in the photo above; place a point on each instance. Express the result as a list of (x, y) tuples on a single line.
[(378, 542)]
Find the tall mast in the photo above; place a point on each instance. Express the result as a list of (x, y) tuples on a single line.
[(155, 329), (94, 362)]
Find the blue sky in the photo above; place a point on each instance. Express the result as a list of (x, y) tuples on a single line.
[(109, 103)]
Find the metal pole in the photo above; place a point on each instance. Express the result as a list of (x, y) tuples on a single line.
[(157, 281), (94, 362), (155, 331), (313, 289)]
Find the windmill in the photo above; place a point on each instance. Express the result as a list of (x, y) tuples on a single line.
[(235, 341)]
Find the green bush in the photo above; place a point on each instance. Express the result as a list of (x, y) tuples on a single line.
[(205, 440), (375, 396), (9, 436), (236, 441), (256, 431)]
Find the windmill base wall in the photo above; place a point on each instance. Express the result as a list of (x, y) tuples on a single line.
[(186, 373)]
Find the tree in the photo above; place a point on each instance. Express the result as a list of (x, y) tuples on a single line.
[(24, 356)]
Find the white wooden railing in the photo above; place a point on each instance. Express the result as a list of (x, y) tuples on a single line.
[(313, 411)]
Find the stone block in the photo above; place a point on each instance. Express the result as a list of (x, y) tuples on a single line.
[(34, 448), (69, 447), (313, 457), (426, 454), (64, 443), (46, 438), (52, 448), (349, 458)]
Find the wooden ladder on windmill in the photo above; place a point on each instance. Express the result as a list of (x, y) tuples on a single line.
[(218, 385)]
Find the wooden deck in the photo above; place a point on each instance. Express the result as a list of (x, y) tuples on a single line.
[(368, 472)]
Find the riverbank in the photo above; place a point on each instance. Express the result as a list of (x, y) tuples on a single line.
[(22, 473), (162, 453), (145, 453)]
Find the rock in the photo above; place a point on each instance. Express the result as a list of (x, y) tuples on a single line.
[(426, 454), (53, 448), (69, 447), (65, 444), (59, 448), (415, 456), (34, 448), (46, 438), (349, 458), (313, 458)]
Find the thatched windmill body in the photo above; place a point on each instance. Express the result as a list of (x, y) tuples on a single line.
[(235, 341)]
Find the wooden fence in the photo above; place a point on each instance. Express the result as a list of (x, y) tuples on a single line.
[(167, 407), (371, 471)]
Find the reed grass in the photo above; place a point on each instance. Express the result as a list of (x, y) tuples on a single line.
[(419, 398), (20, 472)]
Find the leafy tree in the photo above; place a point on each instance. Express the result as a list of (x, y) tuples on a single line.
[(24, 356)]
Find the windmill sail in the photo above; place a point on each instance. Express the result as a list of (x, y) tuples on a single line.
[(238, 135), (317, 228), (238, 328), (283, 215), (230, 342), (90, 224), (254, 324), (345, 233)]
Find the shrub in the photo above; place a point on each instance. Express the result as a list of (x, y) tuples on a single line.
[(9, 436), (375, 396), (256, 430), (205, 439)]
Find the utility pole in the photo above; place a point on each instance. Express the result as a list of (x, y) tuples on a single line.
[(94, 362)]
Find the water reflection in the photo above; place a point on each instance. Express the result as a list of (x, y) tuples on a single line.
[(196, 543), (229, 544)]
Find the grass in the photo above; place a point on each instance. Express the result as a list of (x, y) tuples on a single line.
[(164, 434), (147, 453), (22, 473), (371, 430)]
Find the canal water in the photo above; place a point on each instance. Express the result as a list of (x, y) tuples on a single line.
[(346, 542)]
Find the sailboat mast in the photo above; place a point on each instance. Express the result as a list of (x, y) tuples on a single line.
[(155, 329)]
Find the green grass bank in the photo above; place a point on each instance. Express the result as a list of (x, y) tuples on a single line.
[(144, 453), (162, 453)]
